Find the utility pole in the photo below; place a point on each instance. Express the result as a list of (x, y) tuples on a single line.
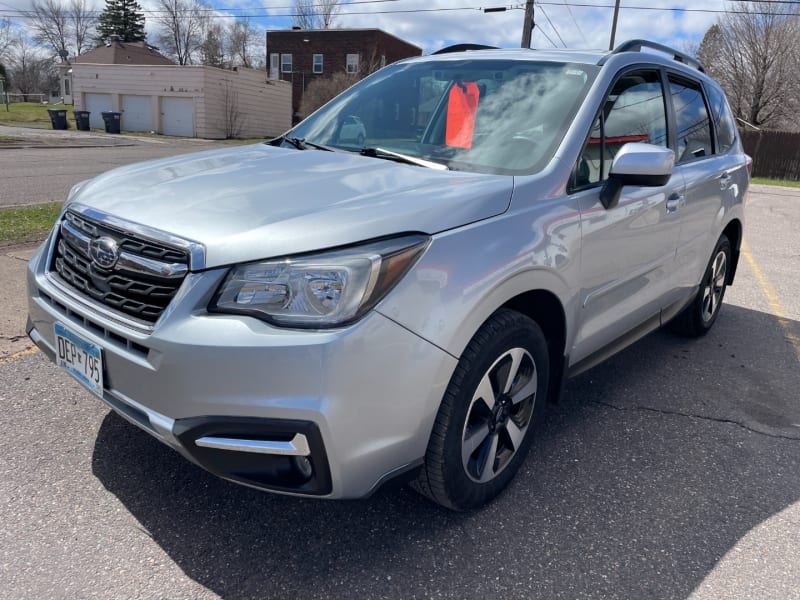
[(614, 26), (527, 26)]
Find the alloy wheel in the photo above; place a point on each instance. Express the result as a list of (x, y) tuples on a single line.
[(715, 286), (499, 415)]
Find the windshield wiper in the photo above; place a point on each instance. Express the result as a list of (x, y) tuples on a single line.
[(403, 158), (304, 144)]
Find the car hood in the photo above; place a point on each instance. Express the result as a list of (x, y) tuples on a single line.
[(253, 202)]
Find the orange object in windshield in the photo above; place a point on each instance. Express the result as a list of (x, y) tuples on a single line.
[(461, 107)]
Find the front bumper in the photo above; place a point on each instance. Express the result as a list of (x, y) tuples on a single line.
[(363, 398)]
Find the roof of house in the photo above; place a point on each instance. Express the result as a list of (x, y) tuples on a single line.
[(123, 53), (338, 31)]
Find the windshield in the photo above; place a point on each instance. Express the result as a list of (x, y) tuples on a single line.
[(489, 116)]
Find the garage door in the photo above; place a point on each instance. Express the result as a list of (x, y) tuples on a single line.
[(137, 113), (96, 104), (177, 116)]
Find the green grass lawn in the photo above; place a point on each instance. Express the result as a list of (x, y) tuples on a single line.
[(781, 182), (27, 223), (32, 114)]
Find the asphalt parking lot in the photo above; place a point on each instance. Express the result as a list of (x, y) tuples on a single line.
[(46, 164), (670, 471)]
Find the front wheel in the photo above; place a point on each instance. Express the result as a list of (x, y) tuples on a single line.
[(484, 426), (697, 318)]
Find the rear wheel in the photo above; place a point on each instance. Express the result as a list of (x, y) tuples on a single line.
[(484, 426), (697, 318)]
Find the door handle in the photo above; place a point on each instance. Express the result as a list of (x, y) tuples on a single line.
[(674, 202), (724, 180)]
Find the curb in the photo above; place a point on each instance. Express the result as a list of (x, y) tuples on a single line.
[(60, 146)]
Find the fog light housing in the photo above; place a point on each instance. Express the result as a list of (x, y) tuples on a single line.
[(303, 465)]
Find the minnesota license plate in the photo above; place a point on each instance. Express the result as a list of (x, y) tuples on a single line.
[(80, 358)]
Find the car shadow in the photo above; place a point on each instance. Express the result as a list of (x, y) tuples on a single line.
[(646, 474)]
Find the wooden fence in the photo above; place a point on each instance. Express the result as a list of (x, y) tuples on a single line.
[(776, 154)]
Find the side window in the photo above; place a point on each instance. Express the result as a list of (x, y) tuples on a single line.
[(691, 120), (286, 63), (351, 65), (723, 120), (632, 112)]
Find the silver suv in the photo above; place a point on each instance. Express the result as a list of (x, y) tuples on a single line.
[(324, 312)]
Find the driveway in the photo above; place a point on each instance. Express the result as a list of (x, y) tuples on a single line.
[(670, 471), (41, 165)]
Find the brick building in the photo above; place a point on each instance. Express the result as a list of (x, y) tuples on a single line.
[(302, 55)]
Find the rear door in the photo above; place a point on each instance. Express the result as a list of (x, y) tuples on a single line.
[(706, 159), (628, 252)]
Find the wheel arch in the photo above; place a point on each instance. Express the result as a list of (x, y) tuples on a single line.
[(545, 308)]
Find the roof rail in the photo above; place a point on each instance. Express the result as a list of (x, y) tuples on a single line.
[(463, 47), (637, 45)]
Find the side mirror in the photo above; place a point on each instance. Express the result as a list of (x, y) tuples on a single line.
[(639, 164)]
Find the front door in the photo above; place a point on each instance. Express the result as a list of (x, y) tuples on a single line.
[(628, 251)]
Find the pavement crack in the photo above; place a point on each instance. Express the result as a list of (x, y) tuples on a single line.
[(13, 338), (677, 413)]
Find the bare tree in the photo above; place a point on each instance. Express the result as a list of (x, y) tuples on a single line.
[(182, 25), (324, 89), (7, 37), (48, 21), (83, 17), (315, 14), (62, 26), (29, 68), (243, 39), (233, 116), (754, 53)]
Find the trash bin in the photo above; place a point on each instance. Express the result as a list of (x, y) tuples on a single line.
[(82, 120), (58, 118), (111, 119)]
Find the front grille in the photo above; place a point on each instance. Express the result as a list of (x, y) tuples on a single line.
[(141, 283)]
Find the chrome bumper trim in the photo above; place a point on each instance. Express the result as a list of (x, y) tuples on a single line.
[(298, 446)]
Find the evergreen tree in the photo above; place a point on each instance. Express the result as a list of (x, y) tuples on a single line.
[(123, 18)]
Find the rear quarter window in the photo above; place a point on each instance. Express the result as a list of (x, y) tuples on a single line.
[(691, 119), (721, 115)]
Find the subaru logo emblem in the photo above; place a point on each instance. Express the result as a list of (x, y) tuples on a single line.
[(104, 252)]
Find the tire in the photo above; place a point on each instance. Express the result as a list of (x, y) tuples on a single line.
[(360, 140), (697, 319), (485, 424)]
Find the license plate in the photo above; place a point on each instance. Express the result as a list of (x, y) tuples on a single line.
[(80, 358)]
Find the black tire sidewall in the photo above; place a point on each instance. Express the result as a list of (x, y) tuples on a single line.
[(724, 245), (462, 491)]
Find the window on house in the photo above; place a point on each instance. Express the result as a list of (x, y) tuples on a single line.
[(352, 63), (286, 63), (66, 86), (317, 63)]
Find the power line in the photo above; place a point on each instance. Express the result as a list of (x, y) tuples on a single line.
[(578, 27), (553, 27), (544, 33)]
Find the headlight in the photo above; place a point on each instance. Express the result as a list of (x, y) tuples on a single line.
[(321, 290)]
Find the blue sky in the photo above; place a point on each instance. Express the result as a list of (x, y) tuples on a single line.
[(432, 24)]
